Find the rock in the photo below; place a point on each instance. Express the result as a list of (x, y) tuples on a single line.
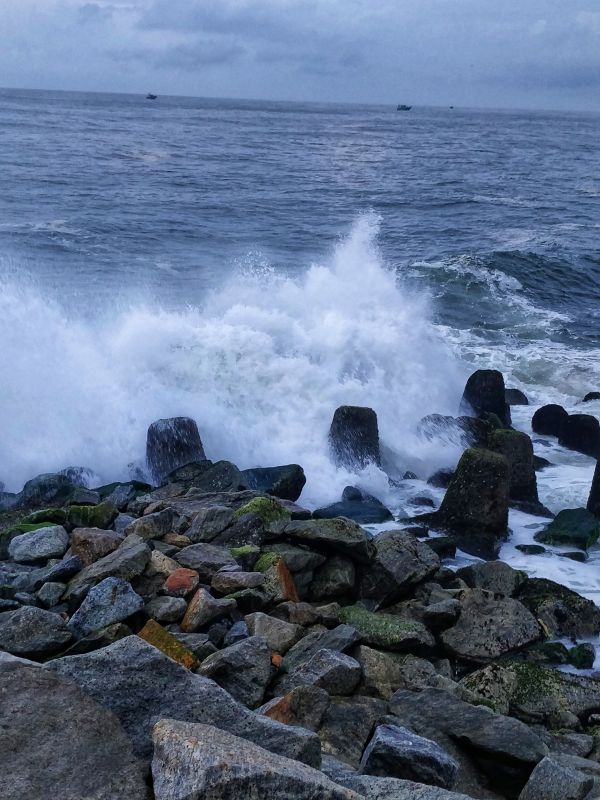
[(374, 788), (181, 583), (205, 559), (126, 562), (49, 489), (121, 494), (49, 593), (591, 396), (575, 527), (354, 437), (279, 583), (209, 523), (340, 535), (141, 685), (198, 762), (303, 706), (347, 725), (400, 562), (33, 632), (517, 448), (341, 639), (203, 608), (59, 743), (581, 432), (243, 669), (101, 516), (358, 506), (336, 673), (493, 576), (441, 479), (443, 546), (485, 393), (286, 482), (237, 633), (387, 631), (397, 752), (97, 639), (458, 431), (335, 578), (90, 544), (298, 559), (593, 503), (476, 500), (381, 673), (504, 748), (439, 616), (228, 582), (152, 526), (494, 685), (563, 612), (82, 496), (279, 635), (166, 609), (198, 643), (39, 545), (489, 626), (552, 781), (549, 420), (112, 600), (172, 443), (155, 573), (163, 640), (515, 397)]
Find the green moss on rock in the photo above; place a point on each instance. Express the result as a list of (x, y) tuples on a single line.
[(386, 631), (268, 509), (100, 516), (51, 516)]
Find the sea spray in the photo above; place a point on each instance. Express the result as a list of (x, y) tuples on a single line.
[(261, 366)]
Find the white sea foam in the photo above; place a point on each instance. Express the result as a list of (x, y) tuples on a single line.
[(261, 367)]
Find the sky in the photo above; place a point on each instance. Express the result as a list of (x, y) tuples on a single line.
[(512, 54)]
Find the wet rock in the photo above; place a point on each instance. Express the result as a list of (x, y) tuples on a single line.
[(387, 631), (582, 656), (485, 393), (49, 489), (303, 706), (517, 448), (121, 494), (204, 608), (581, 432), (439, 616), (339, 535), (152, 526), (335, 578), (354, 437), (563, 612), (593, 503), (39, 545), (285, 482), (399, 753), (82, 496), (33, 632), (399, 563), (336, 673), (494, 685), (279, 635), (347, 725), (91, 544), (358, 506), (207, 477), (441, 479), (575, 527), (493, 576), (200, 761), (59, 743), (243, 669), (172, 443), (141, 685), (205, 559), (489, 626), (298, 559), (549, 420), (515, 397), (591, 396), (101, 516), (166, 609), (552, 781), (209, 523), (530, 549), (112, 600)]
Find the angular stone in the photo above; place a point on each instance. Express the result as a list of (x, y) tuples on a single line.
[(243, 669), (209, 523), (112, 600), (172, 443), (340, 535), (65, 569), (206, 559), (39, 545), (33, 632), (490, 627), (399, 753), (198, 762), (358, 506), (563, 612), (279, 635), (90, 544), (204, 608), (182, 582), (341, 639), (298, 559), (381, 673), (285, 482), (59, 743), (166, 609), (49, 593), (198, 643), (152, 526), (303, 706), (335, 578), (228, 582), (97, 639), (593, 503), (101, 516), (45, 490), (552, 781), (163, 640), (485, 393), (387, 631), (141, 685), (347, 725), (336, 673), (575, 527), (493, 576)]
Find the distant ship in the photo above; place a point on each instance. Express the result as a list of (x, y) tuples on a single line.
[(151, 96), (403, 108)]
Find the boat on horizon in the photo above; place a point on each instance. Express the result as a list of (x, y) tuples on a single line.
[(151, 96), (403, 107)]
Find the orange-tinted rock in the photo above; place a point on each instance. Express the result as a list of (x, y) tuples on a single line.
[(91, 544), (177, 539), (158, 637), (276, 660), (181, 583), (203, 608)]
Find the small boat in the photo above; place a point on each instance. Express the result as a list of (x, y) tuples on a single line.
[(150, 96), (403, 108)]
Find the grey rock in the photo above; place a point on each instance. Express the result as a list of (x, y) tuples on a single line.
[(59, 743), (172, 443), (340, 535), (563, 612), (209, 523), (166, 609), (285, 482), (112, 600), (442, 615), (227, 582), (39, 545), (348, 724), (33, 632), (91, 544), (198, 762), (237, 633), (82, 496), (381, 672), (341, 639), (335, 578), (552, 781), (280, 635), (485, 393), (49, 593), (494, 576), (399, 753), (243, 669), (204, 608), (64, 570), (354, 437), (303, 706), (298, 559), (97, 639), (141, 685), (152, 526), (199, 643), (49, 489), (336, 673), (121, 522), (206, 559)]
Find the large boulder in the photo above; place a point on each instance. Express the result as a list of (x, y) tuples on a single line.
[(593, 503), (198, 762), (91, 544), (354, 437), (358, 506), (112, 600), (206, 559), (335, 672), (493, 576), (341, 639), (49, 489), (56, 742), (172, 443), (515, 397), (489, 626), (476, 501), (485, 393), (337, 535), (563, 612), (39, 545), (33, 632), (243, 669), (142, 685), (517, 448), (554, 781), (581, 432), (575, 527), (549, 420), (285, 482), (388, 631)]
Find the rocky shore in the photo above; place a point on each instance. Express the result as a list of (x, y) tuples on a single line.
[(205, 636)]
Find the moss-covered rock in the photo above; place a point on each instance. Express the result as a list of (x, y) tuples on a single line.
[(582, 656), (101, 516), (56, 516), (268, 509), (246, 555), (575, 527), (561, 611), (386, 631), (158, 637)]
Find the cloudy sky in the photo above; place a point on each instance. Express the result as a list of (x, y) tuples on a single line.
[(513, 53)]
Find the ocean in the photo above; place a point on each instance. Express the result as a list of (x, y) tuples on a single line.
[(256, 264)]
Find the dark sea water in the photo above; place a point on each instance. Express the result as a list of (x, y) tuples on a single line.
[(257, 264)]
